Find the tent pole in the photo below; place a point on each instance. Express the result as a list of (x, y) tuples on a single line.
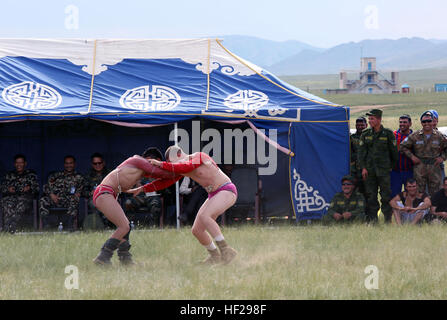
[(177, 190)]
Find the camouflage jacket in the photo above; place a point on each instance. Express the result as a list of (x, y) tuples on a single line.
[(418, 145), (19, 182), (355, 166), (377, 151), (92, 179), (63, 184), (340, 204)]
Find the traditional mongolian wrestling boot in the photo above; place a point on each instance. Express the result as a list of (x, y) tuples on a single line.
[(124, 255), (227, 252), (106, 252), (213, 258)]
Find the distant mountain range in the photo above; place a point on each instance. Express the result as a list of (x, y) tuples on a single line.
[(295, 57)]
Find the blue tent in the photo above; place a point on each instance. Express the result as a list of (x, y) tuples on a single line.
[(154, 83)]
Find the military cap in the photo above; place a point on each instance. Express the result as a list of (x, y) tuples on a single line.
[(427, 113), (348, 178), (375, 113), (435, 113)]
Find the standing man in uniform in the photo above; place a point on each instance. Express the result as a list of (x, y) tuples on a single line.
[(403, 170), (63, 190), (377, 156), (356, 171), (427, 148), (435, 127), (19, 187)]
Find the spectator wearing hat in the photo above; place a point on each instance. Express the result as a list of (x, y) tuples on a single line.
[(348, 205), (427, 148), (377, 156), (403, 170), (435, 126), (410, 206), (356, 171)]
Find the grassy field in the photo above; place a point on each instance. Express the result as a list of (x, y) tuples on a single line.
[(393, 105), (419, 80), (279, 262)]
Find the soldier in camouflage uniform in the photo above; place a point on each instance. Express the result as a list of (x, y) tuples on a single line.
[(63, 190), (95, 219), (150, 202), (427, 148), (377, 156), (348, 205), (356, 171), (19, 187)]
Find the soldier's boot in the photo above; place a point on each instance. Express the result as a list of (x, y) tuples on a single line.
[(227, 252), (124, 256), (106, 253), (213, 258)]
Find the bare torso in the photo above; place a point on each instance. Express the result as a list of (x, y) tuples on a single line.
[(123, 177), (208, 175)]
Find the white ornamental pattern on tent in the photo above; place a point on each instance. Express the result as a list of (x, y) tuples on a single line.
[(250, 101), (307, 199), (150, 98), (32, 96)]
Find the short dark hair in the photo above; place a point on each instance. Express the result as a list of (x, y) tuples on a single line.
[(152, 152), (96, 155), (410, 181), (19, 156), (445, 178), (360, 119), (70, 156), (405, 116)]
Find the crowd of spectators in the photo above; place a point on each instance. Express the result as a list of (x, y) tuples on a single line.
[(404, 167), (65, 198)]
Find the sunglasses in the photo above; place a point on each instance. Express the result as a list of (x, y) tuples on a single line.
[(426, 121), (96, 163), (347, 184)]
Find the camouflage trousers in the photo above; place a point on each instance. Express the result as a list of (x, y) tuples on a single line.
[(428, 177), (153, 204), (69, 202), (375, 185), (14, 208)]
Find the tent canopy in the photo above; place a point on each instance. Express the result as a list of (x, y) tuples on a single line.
[(157, 82)]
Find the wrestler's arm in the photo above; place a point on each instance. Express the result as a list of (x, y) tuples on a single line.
[(183, 167), (159, 184), (150, 171)]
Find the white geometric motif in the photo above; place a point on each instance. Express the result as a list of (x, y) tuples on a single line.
[(32, 96), (276, 111), (307, 199), (248, 100), (147, 98)]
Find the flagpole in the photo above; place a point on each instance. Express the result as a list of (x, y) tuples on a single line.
[(177, 189)]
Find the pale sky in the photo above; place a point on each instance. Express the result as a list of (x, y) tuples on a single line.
[(322, 23)]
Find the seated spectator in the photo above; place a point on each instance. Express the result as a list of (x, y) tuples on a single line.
[(193, 198), (145, 208), (19, 187), (94, 219), (348, 205), (438, 210), (410, 206), (63, 190)]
